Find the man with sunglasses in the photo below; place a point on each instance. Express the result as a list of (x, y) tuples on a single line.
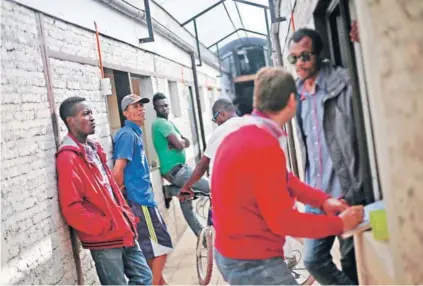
[(170, 146), (226, 117), (327, 140)]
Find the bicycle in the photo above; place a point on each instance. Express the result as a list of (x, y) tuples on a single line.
[(204, 250)]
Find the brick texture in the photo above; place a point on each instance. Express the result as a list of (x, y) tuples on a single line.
[(35, 239)]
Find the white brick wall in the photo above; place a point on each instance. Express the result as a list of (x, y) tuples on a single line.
[(36, 247), (35, 240)]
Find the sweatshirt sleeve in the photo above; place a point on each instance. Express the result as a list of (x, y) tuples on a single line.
[(305, 193), (71, 190), (276, 204)]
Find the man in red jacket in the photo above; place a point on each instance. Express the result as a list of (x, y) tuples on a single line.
[(253, 193), (92, 204)]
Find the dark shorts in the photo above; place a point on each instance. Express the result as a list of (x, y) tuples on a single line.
[(153, 237)]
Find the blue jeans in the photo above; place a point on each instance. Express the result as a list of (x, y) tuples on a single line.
[(271, 271), (114, 263), (178, 181), (319, 261)]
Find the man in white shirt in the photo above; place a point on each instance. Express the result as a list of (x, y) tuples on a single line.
[(224, 115)]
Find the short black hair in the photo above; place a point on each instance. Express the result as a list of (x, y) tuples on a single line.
[(223, 104), (158, 96), (67, 109), (316, 40)]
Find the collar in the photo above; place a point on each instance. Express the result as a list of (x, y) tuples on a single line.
[(82, 147), (135, 127), (320, 83), (273, 126)]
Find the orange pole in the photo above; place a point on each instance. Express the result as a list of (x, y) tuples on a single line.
[(97, 36), (292, 20)]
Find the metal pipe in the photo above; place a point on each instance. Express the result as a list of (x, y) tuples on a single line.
[(197, 96), (237, 30), (150, 37), (55, 125), (252, 4), (269, 43), (139, 16), (202, 12), (220, 63), (198, 43)]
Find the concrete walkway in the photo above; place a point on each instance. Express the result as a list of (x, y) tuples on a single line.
[(181, 267)]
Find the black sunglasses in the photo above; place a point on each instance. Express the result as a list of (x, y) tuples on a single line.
[(216, 115), (304, 56)]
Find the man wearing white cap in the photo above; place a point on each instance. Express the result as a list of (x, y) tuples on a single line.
[(132, 174)]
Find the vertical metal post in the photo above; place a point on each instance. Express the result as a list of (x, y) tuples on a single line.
[(272, 11), (292, 154), (150, 37), (55, 124), (197, 95), (218, 57), (269, 43), (198, 43)]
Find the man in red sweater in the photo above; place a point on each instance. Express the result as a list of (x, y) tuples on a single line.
[(253, 193), (92, 203)]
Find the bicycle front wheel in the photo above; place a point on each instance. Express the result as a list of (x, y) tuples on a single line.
[(204, 255)]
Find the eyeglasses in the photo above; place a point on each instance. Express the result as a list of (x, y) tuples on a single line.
[(304, 56), (216, 115)]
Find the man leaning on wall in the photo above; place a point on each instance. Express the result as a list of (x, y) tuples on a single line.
[(92, 204)]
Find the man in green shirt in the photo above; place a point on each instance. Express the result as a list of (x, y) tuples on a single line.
[(170, 146)]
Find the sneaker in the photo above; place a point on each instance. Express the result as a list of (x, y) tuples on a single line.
[(167, 196)]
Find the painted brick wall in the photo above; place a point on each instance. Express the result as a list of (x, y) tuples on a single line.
[(35, 240)]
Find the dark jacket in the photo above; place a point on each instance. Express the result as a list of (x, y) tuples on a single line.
[(339, 132)]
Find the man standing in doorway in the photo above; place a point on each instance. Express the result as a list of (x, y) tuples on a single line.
[(132, 174), (327, 139), (225, 116), (170, 146), (92, 204)]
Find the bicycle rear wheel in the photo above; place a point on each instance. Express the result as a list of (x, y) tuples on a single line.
[(204, 255)]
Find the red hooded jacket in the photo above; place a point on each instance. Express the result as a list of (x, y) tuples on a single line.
[(100, 221)]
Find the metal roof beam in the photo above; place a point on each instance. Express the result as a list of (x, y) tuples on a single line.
[(236, 31), (203, 12), (252, 4)]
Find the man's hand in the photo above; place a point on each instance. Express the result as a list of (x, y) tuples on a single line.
[(185, 194), (187, 143), (334, 207), (352, 217), (354, 35)]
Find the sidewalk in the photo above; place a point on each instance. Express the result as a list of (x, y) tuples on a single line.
[(181, 264)]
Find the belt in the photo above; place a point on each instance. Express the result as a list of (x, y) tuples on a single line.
[(175, 170)]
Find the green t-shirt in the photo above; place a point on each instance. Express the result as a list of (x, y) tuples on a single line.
[(169, 158)]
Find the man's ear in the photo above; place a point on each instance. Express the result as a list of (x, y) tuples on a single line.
[(125, 112), (292, 100), (69, 121)]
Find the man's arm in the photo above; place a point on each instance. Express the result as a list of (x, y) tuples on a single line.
[(71, 190), (123, 152), (305, 193), (276, 205), (198, 172), (117, 172), (176, 142)]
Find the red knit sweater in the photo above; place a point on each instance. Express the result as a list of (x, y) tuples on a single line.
[(253, 198)]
